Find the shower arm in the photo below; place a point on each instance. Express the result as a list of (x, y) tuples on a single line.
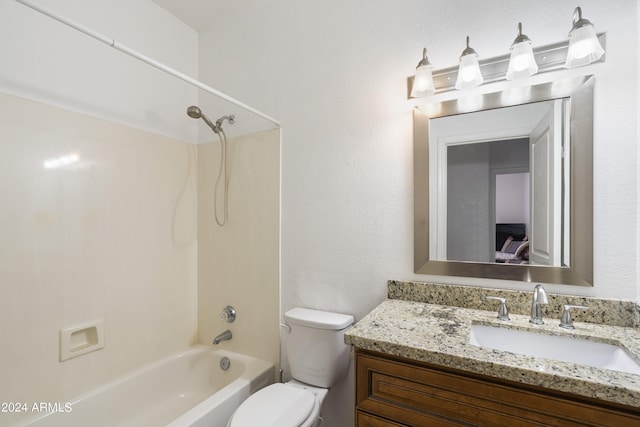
[(124, 49), (231, 119)]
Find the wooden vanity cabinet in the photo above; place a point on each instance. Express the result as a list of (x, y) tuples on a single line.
[(396, 392)]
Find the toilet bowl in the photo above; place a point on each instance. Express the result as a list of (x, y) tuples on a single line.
[(291, 404), (318, 358)]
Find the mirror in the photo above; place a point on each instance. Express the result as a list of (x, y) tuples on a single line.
[(532, 147), (502, 175)]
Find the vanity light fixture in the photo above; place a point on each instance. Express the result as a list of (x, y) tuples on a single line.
[(423, 80), (584, 47), (522, 63), (469, 74)]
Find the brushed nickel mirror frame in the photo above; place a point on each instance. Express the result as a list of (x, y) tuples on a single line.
[(580, 270)]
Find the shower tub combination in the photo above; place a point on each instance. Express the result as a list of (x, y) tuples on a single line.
[(186, 389)]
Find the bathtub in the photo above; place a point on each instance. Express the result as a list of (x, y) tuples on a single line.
[(185, 389)]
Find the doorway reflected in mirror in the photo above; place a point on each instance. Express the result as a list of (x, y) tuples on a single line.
[(480, 163)]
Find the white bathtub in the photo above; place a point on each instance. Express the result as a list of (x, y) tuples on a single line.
[(186, 389)]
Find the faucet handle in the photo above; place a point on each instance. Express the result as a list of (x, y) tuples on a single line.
[(228, 314), (566, 321), (503, 311)]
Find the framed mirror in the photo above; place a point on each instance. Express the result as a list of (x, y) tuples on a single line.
[(503, 185)]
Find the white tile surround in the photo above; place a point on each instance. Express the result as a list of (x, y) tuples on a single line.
[(107, 223), (111, 236)]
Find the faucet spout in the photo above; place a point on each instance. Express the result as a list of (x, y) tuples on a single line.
[(225, 336), (539, 299)]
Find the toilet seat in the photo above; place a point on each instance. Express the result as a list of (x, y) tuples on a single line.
[(278, 405)]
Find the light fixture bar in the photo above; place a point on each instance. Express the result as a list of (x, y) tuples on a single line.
[(549, 58)]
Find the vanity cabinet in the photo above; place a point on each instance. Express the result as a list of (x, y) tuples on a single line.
[(394, 392)]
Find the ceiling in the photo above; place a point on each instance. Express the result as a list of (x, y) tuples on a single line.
[(199, 14)]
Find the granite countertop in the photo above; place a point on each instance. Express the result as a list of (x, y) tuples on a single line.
[(439, 334)]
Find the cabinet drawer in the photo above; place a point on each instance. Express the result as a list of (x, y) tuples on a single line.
[(366, 420), (424, 394)]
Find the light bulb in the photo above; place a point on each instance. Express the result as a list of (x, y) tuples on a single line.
[(469, 74), (423, 80), (522, 63), (584, 47)]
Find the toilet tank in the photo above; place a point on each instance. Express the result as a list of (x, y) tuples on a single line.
[(315, 346)]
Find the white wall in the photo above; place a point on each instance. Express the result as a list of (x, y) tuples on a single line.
[(469, 216), (335, 73), (512, 198), (44, 60)]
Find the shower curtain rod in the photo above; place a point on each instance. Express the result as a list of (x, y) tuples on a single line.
[(124, 49)]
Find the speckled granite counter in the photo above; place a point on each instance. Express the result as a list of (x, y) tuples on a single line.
[(601, 311), (439, 334)]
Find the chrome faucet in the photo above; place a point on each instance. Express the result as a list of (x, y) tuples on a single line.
[(225, 336), (539, 299)]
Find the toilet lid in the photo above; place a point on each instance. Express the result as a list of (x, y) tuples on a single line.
[(277, 405)]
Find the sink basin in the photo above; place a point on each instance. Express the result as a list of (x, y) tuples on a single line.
[(561, 348)]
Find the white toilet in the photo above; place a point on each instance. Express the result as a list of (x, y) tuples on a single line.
[(318, 358)]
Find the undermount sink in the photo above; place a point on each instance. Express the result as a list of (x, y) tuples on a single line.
[(562, 348)]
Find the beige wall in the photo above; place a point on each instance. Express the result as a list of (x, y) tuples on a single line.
[(238, 264), (112, 236)]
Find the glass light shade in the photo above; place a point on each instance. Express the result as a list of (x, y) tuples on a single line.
[(584, 47), (423, 82), (469, 74), (522, 63)]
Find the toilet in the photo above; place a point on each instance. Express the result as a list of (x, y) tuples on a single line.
[(318, 358)]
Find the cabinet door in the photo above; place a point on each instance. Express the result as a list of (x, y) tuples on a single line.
[(422, 394)]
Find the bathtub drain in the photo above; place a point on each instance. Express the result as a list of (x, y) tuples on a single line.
[(225, 363)]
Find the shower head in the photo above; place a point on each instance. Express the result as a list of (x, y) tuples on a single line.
[(195, 113)]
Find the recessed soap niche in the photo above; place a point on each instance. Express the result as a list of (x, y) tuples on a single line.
[(82, 339)]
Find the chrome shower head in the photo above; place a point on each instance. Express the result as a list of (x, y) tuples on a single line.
[(195, 113)]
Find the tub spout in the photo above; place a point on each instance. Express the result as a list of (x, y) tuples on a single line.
[(225, 336)]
